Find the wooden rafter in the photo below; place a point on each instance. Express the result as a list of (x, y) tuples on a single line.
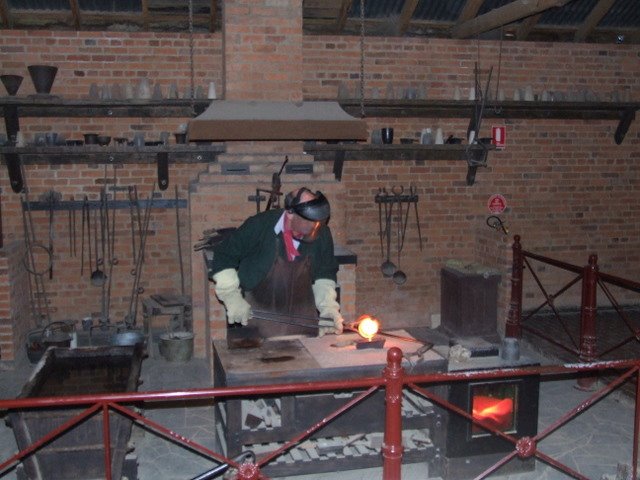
[(470, 10), (214, 12), (525, 27), (501, 16), (343, 13), (4, 13), (592, 20), (408, 9), (144, 4), (75, 13)]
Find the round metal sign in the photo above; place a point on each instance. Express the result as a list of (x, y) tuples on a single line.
[(497, 203)]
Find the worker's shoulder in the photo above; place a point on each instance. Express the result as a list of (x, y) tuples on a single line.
[(268, 217)]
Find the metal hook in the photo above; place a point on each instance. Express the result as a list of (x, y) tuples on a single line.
[(496, 222)]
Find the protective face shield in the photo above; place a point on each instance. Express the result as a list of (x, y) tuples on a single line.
[(308, 216)]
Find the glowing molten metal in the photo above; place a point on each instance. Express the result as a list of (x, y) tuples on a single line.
[(497, 412), (368, 326)]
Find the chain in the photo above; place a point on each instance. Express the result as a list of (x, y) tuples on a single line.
[(362, 58), (499, 64), (191, 64)]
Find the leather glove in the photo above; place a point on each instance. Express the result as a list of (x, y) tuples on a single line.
[(228, 291), (324, 293)]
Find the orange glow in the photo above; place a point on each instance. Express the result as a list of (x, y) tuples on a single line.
[(498, 412), (367, 326)]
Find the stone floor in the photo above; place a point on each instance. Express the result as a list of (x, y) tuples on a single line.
[(597, 443)]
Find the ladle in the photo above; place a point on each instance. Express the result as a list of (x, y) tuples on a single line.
[(399, 277), (388, 267), (97, 276)]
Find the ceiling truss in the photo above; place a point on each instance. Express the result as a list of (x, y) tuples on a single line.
[(517, 19)]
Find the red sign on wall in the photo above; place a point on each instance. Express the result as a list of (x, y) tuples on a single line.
[(499, 136), (497, 203)]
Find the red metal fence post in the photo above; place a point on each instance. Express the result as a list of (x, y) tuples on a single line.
[(514, 327), (588, 311), (392, 446)]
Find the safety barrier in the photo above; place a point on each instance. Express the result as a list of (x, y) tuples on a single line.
[(393, 380), (584, 347)]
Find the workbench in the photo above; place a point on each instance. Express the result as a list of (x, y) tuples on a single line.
[(351, 441)]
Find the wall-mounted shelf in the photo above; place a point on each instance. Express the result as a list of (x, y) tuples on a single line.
[(61, 155), (53, 106), (492, 109), (341, 152)]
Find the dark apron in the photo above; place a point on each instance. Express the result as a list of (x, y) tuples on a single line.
[(285, 290)]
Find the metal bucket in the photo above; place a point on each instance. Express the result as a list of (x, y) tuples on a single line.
[(176, 346), (127, 338), (56, 334)]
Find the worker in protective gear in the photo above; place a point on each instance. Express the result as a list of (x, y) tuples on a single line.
[(281, 261)]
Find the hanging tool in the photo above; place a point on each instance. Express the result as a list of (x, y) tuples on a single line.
[(52, 197), (477, 158), (130, 319), (179, 242), (97, 276), (133, 228), (276, 187), (380, 231), (84, 223), (138, 213), (41, 297), (414, 198), (496, 222)]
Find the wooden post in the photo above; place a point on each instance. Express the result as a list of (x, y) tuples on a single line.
[(588, 313), (514, 327), (392, 446)]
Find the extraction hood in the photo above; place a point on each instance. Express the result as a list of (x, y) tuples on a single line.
[(264, 120)]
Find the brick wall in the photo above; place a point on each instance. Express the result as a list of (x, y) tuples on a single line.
[(15, 319), (570, 190)]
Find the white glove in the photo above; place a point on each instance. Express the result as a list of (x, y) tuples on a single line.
[(324, 293), (228, 291)]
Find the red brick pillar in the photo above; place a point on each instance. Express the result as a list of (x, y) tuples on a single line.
[(263, 50)]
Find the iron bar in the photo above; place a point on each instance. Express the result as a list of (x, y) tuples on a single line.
[(588, 312), (550, 303), (550, 339), (555, 263), (392, 444), (106, 440), (49, 436), (165, 432), (513, 326)]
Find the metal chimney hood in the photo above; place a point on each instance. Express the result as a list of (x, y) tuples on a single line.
[(265, 120)]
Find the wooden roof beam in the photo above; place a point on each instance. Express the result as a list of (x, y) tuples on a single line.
[(470, 10), (4, 13), (599, 10), (343, 14), (214, 12), (501, 16), (525, 27), (144, 4), (406, 14), (75, 13)]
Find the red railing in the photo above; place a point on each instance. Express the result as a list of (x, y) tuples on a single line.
[(585, 346), (393, 379)]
